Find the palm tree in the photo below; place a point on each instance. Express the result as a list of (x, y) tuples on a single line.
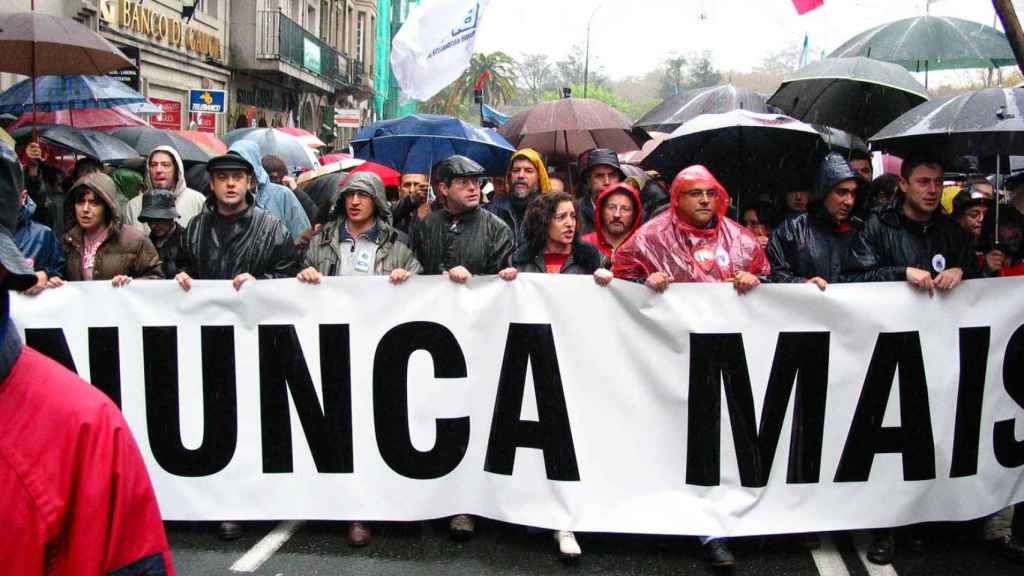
[(500, 88)]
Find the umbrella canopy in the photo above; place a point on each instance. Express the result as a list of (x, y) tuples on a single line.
[(61, 46), (95, 118), (144, 139), (83, 141), (205, 140), (414, 143), (985, 122), (931, 43), (72, 91), (749, 153), (840, 140), (295, 154), (563, 129), (679, 108), (334, 157), (857, 95), (638, 156), (388, 175), (304, 136)]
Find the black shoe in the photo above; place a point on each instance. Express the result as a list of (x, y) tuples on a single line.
[(882, 549), (1009, 547), (228, 531), (718, 555)]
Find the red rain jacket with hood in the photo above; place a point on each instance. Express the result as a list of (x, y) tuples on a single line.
[(597, 237), (688, 254)]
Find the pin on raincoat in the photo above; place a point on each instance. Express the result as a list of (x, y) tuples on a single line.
[(686, 253)]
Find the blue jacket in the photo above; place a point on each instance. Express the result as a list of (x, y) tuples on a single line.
[(274, 198), (37, 242)]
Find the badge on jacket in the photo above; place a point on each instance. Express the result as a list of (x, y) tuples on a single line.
[(363, 260), (705, 258), (939, 263)]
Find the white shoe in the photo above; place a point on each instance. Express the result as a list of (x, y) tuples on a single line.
[(568, 548)]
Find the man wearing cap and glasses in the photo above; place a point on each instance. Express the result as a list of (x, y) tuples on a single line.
[(232, 239), (77, 497), (462, 239)]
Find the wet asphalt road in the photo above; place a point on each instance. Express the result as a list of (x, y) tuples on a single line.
[(424, 548)]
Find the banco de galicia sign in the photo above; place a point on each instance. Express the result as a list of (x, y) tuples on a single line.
[(131, 16)]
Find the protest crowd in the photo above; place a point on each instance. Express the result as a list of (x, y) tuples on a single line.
[(245, 216)]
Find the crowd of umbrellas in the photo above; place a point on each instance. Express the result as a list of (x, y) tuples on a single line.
[(862, 96)]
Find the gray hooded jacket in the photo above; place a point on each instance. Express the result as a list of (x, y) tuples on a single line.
[(329, 257)]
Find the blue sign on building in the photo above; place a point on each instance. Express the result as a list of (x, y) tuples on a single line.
[(206, 101)]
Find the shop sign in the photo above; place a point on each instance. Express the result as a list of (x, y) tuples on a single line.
[(204, 122), (310, 55), (130, 76), (170, 118), (149, 22), (206, 101), (348, 118)]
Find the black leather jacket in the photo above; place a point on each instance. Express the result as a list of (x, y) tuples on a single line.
[(506, 208), (217, 247), (476, 239), (809, 245), (584, 259), (890, 243)]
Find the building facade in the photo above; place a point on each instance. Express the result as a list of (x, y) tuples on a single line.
[(299, 62)]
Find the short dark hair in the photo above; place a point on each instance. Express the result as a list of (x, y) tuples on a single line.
[(858, 154), (77, 193), (274, 164), (85, 166), (888, 184), (914, 160), (538, 217)]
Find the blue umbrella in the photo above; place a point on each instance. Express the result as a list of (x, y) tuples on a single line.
[(69, 92), (414, 143)]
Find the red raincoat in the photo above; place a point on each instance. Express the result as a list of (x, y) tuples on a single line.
[(688, 254), (76, 495), (596, 237)]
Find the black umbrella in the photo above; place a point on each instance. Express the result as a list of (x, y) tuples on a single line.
[(749, 153), (980, 123), (83, 141), (143, 139), (857, 95), (677, 109)]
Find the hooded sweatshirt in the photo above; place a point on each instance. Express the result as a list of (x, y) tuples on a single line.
[(274, 198), (687, 253), (188, 202), (378, 251), (509, 208), (597, 236)]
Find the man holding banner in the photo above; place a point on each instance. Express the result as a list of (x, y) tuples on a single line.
[(695, 242)]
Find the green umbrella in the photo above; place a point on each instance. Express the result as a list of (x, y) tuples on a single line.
[(931, 43)]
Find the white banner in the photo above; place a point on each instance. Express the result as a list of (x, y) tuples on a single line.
[(435, 44), (550, 401)]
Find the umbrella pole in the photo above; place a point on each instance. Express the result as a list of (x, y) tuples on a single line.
[(999, 186), (35, 134)]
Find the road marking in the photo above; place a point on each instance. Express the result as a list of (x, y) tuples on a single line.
[(861, 542), (265, 548), (827, 559)]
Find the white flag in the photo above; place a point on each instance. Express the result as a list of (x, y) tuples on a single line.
[(435, 45)]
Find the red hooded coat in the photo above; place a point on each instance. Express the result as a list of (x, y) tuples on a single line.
[(76, 494), (688, 254), (597, 237)]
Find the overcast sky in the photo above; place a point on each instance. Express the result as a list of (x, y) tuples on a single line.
[(634, 36)]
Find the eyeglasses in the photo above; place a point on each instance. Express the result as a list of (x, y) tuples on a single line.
[(697, 193)]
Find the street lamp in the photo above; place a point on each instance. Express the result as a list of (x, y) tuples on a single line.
[(586, 61)]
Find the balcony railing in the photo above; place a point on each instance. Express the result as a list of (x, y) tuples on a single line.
[(281, 38)]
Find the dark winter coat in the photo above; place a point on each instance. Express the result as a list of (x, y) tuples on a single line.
[(217, 247), (890, 243), (809, 245), (585, 215), (513, 213), (476, 239), (584, 259), (169, 248)]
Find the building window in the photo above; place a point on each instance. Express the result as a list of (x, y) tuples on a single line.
[(325, 22), (361, 36), (311, 20), (296, 12), (211, 8)]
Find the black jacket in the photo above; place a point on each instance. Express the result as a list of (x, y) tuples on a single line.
[(585, 215), (809, 245), (169, 248), (584, 259), (504, 207), (476, 239), (216, 247), (890, 243)]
